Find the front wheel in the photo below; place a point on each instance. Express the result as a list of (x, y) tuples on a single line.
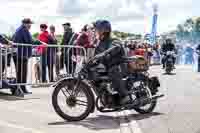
[(72, 100)]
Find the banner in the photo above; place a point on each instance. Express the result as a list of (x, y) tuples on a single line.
[(154, 29), (154, 26)]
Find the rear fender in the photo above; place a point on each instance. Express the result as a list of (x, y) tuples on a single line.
[(154, 81), (140, 77), (154, 84)]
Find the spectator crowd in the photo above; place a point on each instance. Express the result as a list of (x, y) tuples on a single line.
[(49, 57), (57, 58)]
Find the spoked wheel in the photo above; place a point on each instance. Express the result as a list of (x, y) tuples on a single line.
[(72, 100), (146, 93)]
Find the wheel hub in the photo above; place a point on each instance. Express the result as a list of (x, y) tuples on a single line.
[(71, 101)]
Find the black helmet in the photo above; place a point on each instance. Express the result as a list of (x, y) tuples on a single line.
[(103, 25), (168, 40), (67, 24)]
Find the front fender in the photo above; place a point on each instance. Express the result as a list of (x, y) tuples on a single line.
[(63, 79)]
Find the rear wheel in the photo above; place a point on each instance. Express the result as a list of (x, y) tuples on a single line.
[(146, 110), (146, 93), (72, 100), (168, 71), (168, 68)]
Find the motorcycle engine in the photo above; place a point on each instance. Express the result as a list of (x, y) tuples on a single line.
[(108, 99)]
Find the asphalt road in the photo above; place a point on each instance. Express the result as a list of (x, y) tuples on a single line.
[(177, 112)]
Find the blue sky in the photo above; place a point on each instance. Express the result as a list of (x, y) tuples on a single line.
[(126, 15)]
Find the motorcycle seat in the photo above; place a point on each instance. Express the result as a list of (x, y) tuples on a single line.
[(132, 58), (103, 78)]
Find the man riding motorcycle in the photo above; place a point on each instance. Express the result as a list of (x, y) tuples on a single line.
[(167, 46), (105, 75), (111, 59)]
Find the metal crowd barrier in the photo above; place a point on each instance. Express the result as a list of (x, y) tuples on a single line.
[(39, 64)]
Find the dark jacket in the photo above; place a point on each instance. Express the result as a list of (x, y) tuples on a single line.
[(114, 56), (23, 36), (103, 46), (113, 53), (51, 51), (53, 40), (198, 48), (198, 52), (67, 37), (168, 47)]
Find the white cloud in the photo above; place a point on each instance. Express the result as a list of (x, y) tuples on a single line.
[(125, 15)]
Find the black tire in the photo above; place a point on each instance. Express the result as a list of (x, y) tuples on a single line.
[(149, 110), (168, 72), (86, 90), (168, 69), (151, 107)]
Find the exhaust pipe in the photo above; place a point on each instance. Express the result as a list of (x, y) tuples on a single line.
[(148, 100), (155, 97)]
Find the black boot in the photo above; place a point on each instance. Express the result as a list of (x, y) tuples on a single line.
[(125, 100)]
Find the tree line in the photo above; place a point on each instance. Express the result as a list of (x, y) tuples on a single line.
[(189, 30)]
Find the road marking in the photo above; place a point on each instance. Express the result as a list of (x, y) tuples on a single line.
[(127, 125), (133, 123), (124, 125), (10, 125)]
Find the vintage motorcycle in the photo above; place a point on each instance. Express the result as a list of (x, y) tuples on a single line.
[(91, 88), (169, 63)]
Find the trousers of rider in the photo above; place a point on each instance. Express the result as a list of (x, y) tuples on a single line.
[(117, 83)]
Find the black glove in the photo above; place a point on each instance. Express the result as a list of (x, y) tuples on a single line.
[(96, 60), (99, 58)]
